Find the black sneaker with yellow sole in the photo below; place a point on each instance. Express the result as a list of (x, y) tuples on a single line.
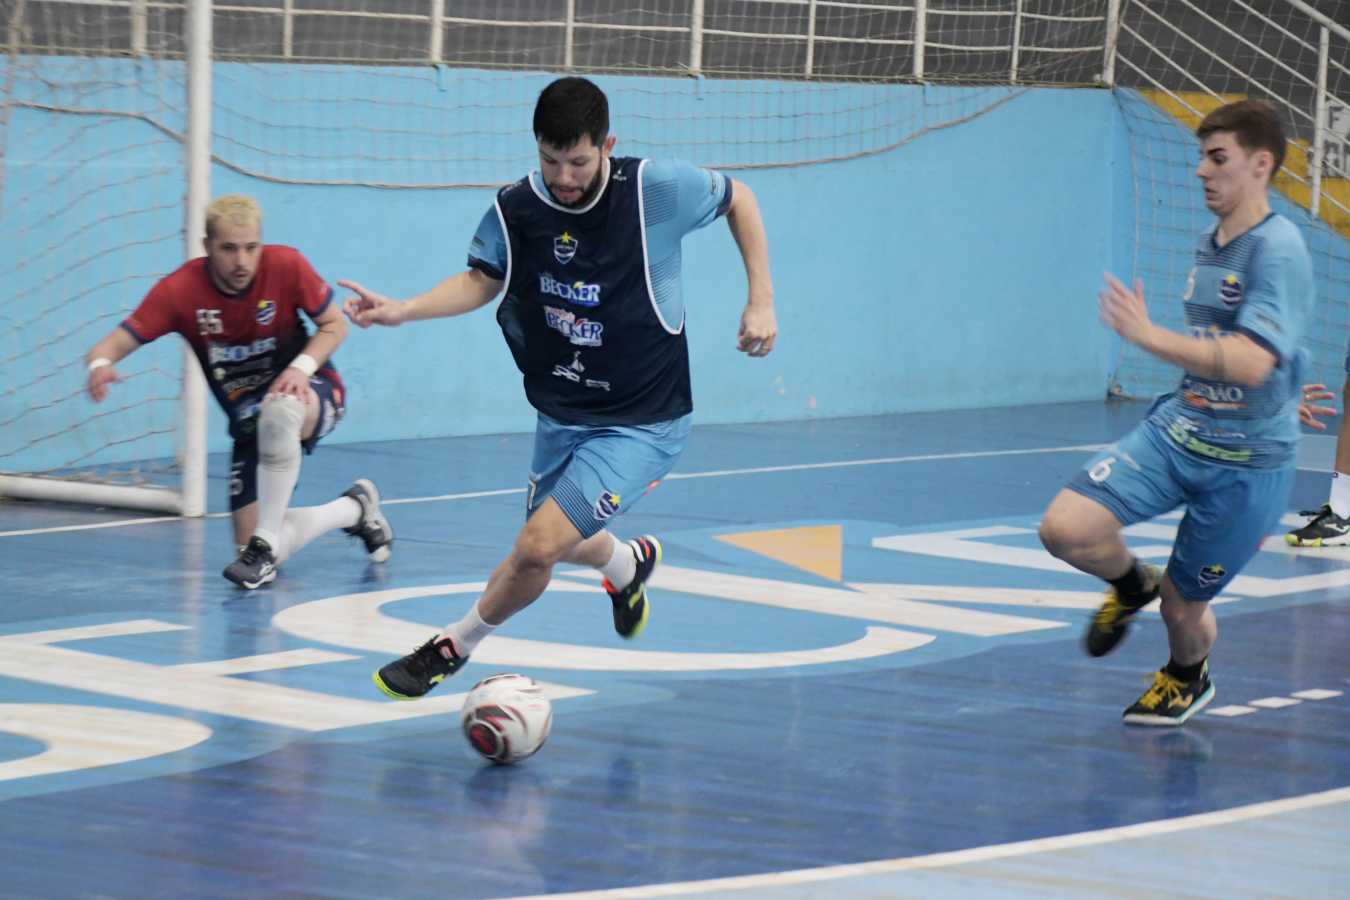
[(411, 676), (1323, 529), (630, 604)]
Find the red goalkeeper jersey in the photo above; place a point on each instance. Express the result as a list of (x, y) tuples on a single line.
[(243, 341)]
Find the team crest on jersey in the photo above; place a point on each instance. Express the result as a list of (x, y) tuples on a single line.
[(1230, 290), (265, 313), (564, 248), (606, 506), (1211, 575)]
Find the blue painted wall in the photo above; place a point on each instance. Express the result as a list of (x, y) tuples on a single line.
[(958, 270)]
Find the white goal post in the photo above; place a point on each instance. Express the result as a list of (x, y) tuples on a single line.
[(117, 483)]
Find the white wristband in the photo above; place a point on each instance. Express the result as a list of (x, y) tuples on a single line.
[(305, 363), (99, 363)]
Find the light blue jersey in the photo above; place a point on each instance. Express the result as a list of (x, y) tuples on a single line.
[(1225, 451), (1259, 284)]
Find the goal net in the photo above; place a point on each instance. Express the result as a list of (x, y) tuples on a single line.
[(1177, 61), (414, 95)]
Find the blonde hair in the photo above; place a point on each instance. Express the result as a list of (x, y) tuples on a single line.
[(237, 209)]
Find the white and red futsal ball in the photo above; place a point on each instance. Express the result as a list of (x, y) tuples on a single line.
[(506, 718)]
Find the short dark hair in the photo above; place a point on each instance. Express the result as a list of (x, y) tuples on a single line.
[(570, 109), (1254, 124)]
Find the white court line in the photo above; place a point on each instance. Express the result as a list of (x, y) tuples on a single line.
[(720, 473), (118, 523), (964, 857)]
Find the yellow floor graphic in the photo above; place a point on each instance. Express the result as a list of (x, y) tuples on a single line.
[(818, 549)]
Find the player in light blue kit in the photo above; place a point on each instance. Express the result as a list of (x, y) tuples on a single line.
[(587, 253), (1224, 443)]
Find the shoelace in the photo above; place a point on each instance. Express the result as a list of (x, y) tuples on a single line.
[(1317, 514), (1110, 611), (427, 659), (1164, 688), (250, 556), (420, 663)]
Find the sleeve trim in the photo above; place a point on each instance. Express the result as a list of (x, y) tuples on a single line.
[(132, 331), (487, 268), (725, 205), (1263, 342)]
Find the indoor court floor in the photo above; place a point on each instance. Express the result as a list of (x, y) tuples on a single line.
[(862, 677)]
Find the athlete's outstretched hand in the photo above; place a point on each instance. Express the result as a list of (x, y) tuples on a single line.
[(1123, 310), (1308, 414), (368, 308), (99, 379), (759, 329)]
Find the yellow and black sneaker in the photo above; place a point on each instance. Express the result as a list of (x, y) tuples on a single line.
[(413, 675), (1112, 621), (630, 604), (1324, 529), (1171, 701)]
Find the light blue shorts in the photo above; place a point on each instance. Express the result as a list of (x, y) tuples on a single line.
[(596, 472), (1229, 509)]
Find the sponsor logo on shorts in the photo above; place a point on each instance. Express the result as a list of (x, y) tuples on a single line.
[(1211, 575), (606, 506), (237, 478), (1180, 430)]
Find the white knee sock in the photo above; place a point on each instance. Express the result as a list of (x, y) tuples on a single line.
[(468, 631), (1340, 494), (300, 526), (278, 462), (622, 566)]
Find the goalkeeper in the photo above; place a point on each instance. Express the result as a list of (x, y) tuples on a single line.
[(239, 310)]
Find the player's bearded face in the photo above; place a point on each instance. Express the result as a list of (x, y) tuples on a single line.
[(233, 253), (573, 174)]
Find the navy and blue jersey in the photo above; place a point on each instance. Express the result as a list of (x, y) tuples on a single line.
[(1259, 284), (593, 309)]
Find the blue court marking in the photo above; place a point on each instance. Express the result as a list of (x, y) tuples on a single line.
[(962, 743)]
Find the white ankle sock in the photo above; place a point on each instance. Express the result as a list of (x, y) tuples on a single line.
[(1340, 494), (622, 566), (468, 631), (302, 525)]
